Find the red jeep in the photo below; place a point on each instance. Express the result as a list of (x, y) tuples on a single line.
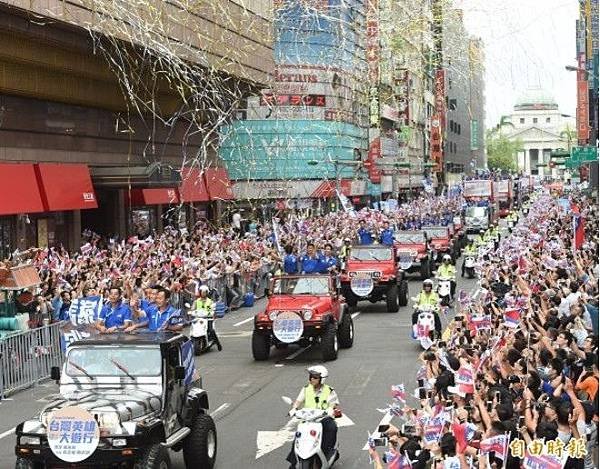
[(413, 253), (371, 273), (441, 242), (303, 309)]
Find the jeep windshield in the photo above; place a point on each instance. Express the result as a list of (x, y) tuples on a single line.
[(476, 212), (410, 237), (437, 232), (301, 286), (370, 254), (115, 361)]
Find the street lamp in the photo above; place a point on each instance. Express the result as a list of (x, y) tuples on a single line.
[(572, 68)]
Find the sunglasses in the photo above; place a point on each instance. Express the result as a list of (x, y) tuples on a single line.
[(314, 377)]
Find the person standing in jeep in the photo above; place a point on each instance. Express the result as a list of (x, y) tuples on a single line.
[(164, 316)]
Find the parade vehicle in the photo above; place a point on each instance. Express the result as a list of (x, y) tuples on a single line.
[(372, 273), (441, 243), (202, 331), (303, 309), (503, 194), (427, 325), (413, 253), (124, 401)]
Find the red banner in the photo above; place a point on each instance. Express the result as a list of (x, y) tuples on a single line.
[(435, 145)]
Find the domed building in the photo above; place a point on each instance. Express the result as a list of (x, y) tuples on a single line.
[(538, 123)]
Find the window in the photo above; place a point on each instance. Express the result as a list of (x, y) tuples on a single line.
[(458, 131), (535, 119), (522, 120), (547, 120)]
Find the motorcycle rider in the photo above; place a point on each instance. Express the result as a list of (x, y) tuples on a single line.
[(427, 297), (205, 303), (448, 271), (469, 251), (480, 240), (318, 395)]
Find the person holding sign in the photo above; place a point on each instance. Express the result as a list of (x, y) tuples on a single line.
[(115, 314)]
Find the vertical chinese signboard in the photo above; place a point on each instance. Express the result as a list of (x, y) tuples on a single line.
[(474, 134), (583, 130), (438, 121), (373, 52)]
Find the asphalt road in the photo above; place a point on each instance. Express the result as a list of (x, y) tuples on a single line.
[(245, 396)]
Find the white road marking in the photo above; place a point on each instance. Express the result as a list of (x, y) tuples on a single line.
[(221, 408), (243, 322), (235, 334), (297, 352), (353, 315), (7, 433)]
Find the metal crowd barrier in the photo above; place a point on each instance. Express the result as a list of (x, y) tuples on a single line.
[(27, 357)]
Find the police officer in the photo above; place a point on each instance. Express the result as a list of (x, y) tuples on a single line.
[(290, 261), (480, 238), (311, 261), (345, 249), (469, 251), (205, 303), (318, 395), (447, 271), (387, 234), (115, 314), (428, 298)]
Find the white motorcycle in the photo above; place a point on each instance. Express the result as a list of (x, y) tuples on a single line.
[(425, 325), (203, 336), (309, 434), (444, 290), (470, 266)]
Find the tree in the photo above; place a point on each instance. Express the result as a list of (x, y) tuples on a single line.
[(501, 151)]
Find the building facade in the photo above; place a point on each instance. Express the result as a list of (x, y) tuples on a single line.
[(539, 125), (67, 117)]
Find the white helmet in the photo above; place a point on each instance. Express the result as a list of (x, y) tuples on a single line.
[(428, 282), (204, 289), (447, 257), (318, 370)]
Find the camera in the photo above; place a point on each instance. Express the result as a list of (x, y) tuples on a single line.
[(422, 393), (409, 430), (380, 441)]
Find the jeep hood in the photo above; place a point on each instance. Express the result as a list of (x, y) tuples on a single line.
[(420, 247), (129, 403), (385, 267), (284, 302)]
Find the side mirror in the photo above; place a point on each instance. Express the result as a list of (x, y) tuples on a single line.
[(55, 373), (180, 373)]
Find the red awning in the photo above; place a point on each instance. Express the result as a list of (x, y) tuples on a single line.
[(19, 191), (66, 186), (193, 186), (164, 196), (218, 184)]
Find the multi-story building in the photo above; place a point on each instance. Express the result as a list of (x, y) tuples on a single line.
[(463, 63), (74, 150)]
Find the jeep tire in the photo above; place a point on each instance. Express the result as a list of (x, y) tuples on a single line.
[(403, 293), (425, 269), (329, 343), (346, 331), (200, 446), (261, 346), (154, 457), (391, 299), (21, 463)]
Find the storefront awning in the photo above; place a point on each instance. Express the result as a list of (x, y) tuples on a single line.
[(326, 190), (19, 191), (218, 184), (152, 175), (65, 186), (164, 196), (193, 187)]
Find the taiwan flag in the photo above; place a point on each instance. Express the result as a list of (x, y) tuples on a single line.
[(578, 230), (512, 317), (498, 444)]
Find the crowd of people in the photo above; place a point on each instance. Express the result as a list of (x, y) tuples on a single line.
[(180, 262), (513, 381)]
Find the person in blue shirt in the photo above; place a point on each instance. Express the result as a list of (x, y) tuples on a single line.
[(387, 234), (364, 235), (164, 317), (290, 261), (139, 319), (115, 314), (329, 262), (311, 261)]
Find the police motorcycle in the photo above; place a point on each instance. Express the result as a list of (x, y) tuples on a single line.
[(202, 330), (309, 435), (426, 320), (444, 290), (470, 265)]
